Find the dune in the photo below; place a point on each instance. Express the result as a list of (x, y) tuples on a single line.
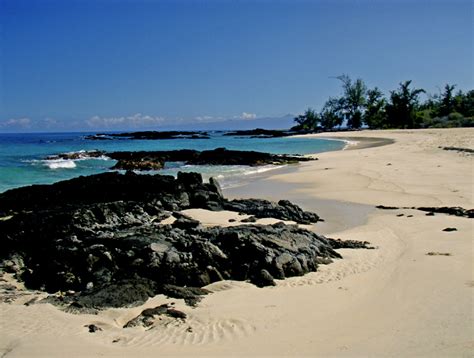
[(395, 300)]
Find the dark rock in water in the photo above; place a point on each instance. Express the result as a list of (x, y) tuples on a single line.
[(260, 133), (449, 229), (78, 155), (222, 156), (155, 159), (101, 237), (152, 135)]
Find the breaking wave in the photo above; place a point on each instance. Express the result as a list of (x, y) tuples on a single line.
[(60, 164)]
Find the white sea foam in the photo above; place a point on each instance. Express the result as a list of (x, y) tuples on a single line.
[(350, 143), (86, 154), (263, 169), (60, 164)]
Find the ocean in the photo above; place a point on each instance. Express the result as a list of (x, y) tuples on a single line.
[(23, 156)]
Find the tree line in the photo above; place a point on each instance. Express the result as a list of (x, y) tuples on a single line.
[(360, 106)]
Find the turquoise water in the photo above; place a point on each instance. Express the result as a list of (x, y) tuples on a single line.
[(22, 156)]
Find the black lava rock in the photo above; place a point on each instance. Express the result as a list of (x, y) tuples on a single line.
[(100, 236)]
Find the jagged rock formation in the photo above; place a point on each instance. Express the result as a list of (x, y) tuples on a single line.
[(219, 156), (261, 133), (101, 236), (155, 160), (151, 135)]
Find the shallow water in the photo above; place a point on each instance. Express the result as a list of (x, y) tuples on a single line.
[(337, 215), (23, 156)]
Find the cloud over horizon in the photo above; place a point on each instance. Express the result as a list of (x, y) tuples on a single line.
[(246, 115), (137, 120), (22, 123)]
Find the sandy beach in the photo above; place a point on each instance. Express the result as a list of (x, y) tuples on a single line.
[(394, 300)]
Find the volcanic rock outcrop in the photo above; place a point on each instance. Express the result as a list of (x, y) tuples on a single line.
[(101, 236), (150, 135), (155, 160)]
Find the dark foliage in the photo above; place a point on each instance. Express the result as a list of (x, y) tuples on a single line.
[(360, 106)]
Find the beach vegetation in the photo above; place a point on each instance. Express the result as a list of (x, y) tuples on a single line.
[(353, 101), (360, 106), (375, 115), (331, 114), (308, 121), (402, 110)]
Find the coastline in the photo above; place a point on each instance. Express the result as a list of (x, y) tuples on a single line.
[(338, 215), (392, 301)]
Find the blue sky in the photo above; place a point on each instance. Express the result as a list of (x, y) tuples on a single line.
[(117, 64)]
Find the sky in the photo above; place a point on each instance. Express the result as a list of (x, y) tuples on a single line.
[(84, 65)]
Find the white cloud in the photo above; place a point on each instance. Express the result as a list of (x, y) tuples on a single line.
[(204, 118), (136, 120), (246, 115), (20, 123), (48, 123)]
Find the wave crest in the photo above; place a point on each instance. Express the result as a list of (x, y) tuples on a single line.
[(60, 164)]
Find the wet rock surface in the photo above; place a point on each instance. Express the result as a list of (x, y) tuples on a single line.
[(100, 237), (151, 135), (148, 160), (261, 133), (155, 160)]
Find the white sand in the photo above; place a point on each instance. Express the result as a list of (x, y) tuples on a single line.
[(392, 301)]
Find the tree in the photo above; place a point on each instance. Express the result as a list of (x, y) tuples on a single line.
[(353, 101), (331, 115), (448, 101), (308, 121), (464, 103), (375, 115), (401, 111)]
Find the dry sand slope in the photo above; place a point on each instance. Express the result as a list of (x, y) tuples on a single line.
[(392, 301)]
